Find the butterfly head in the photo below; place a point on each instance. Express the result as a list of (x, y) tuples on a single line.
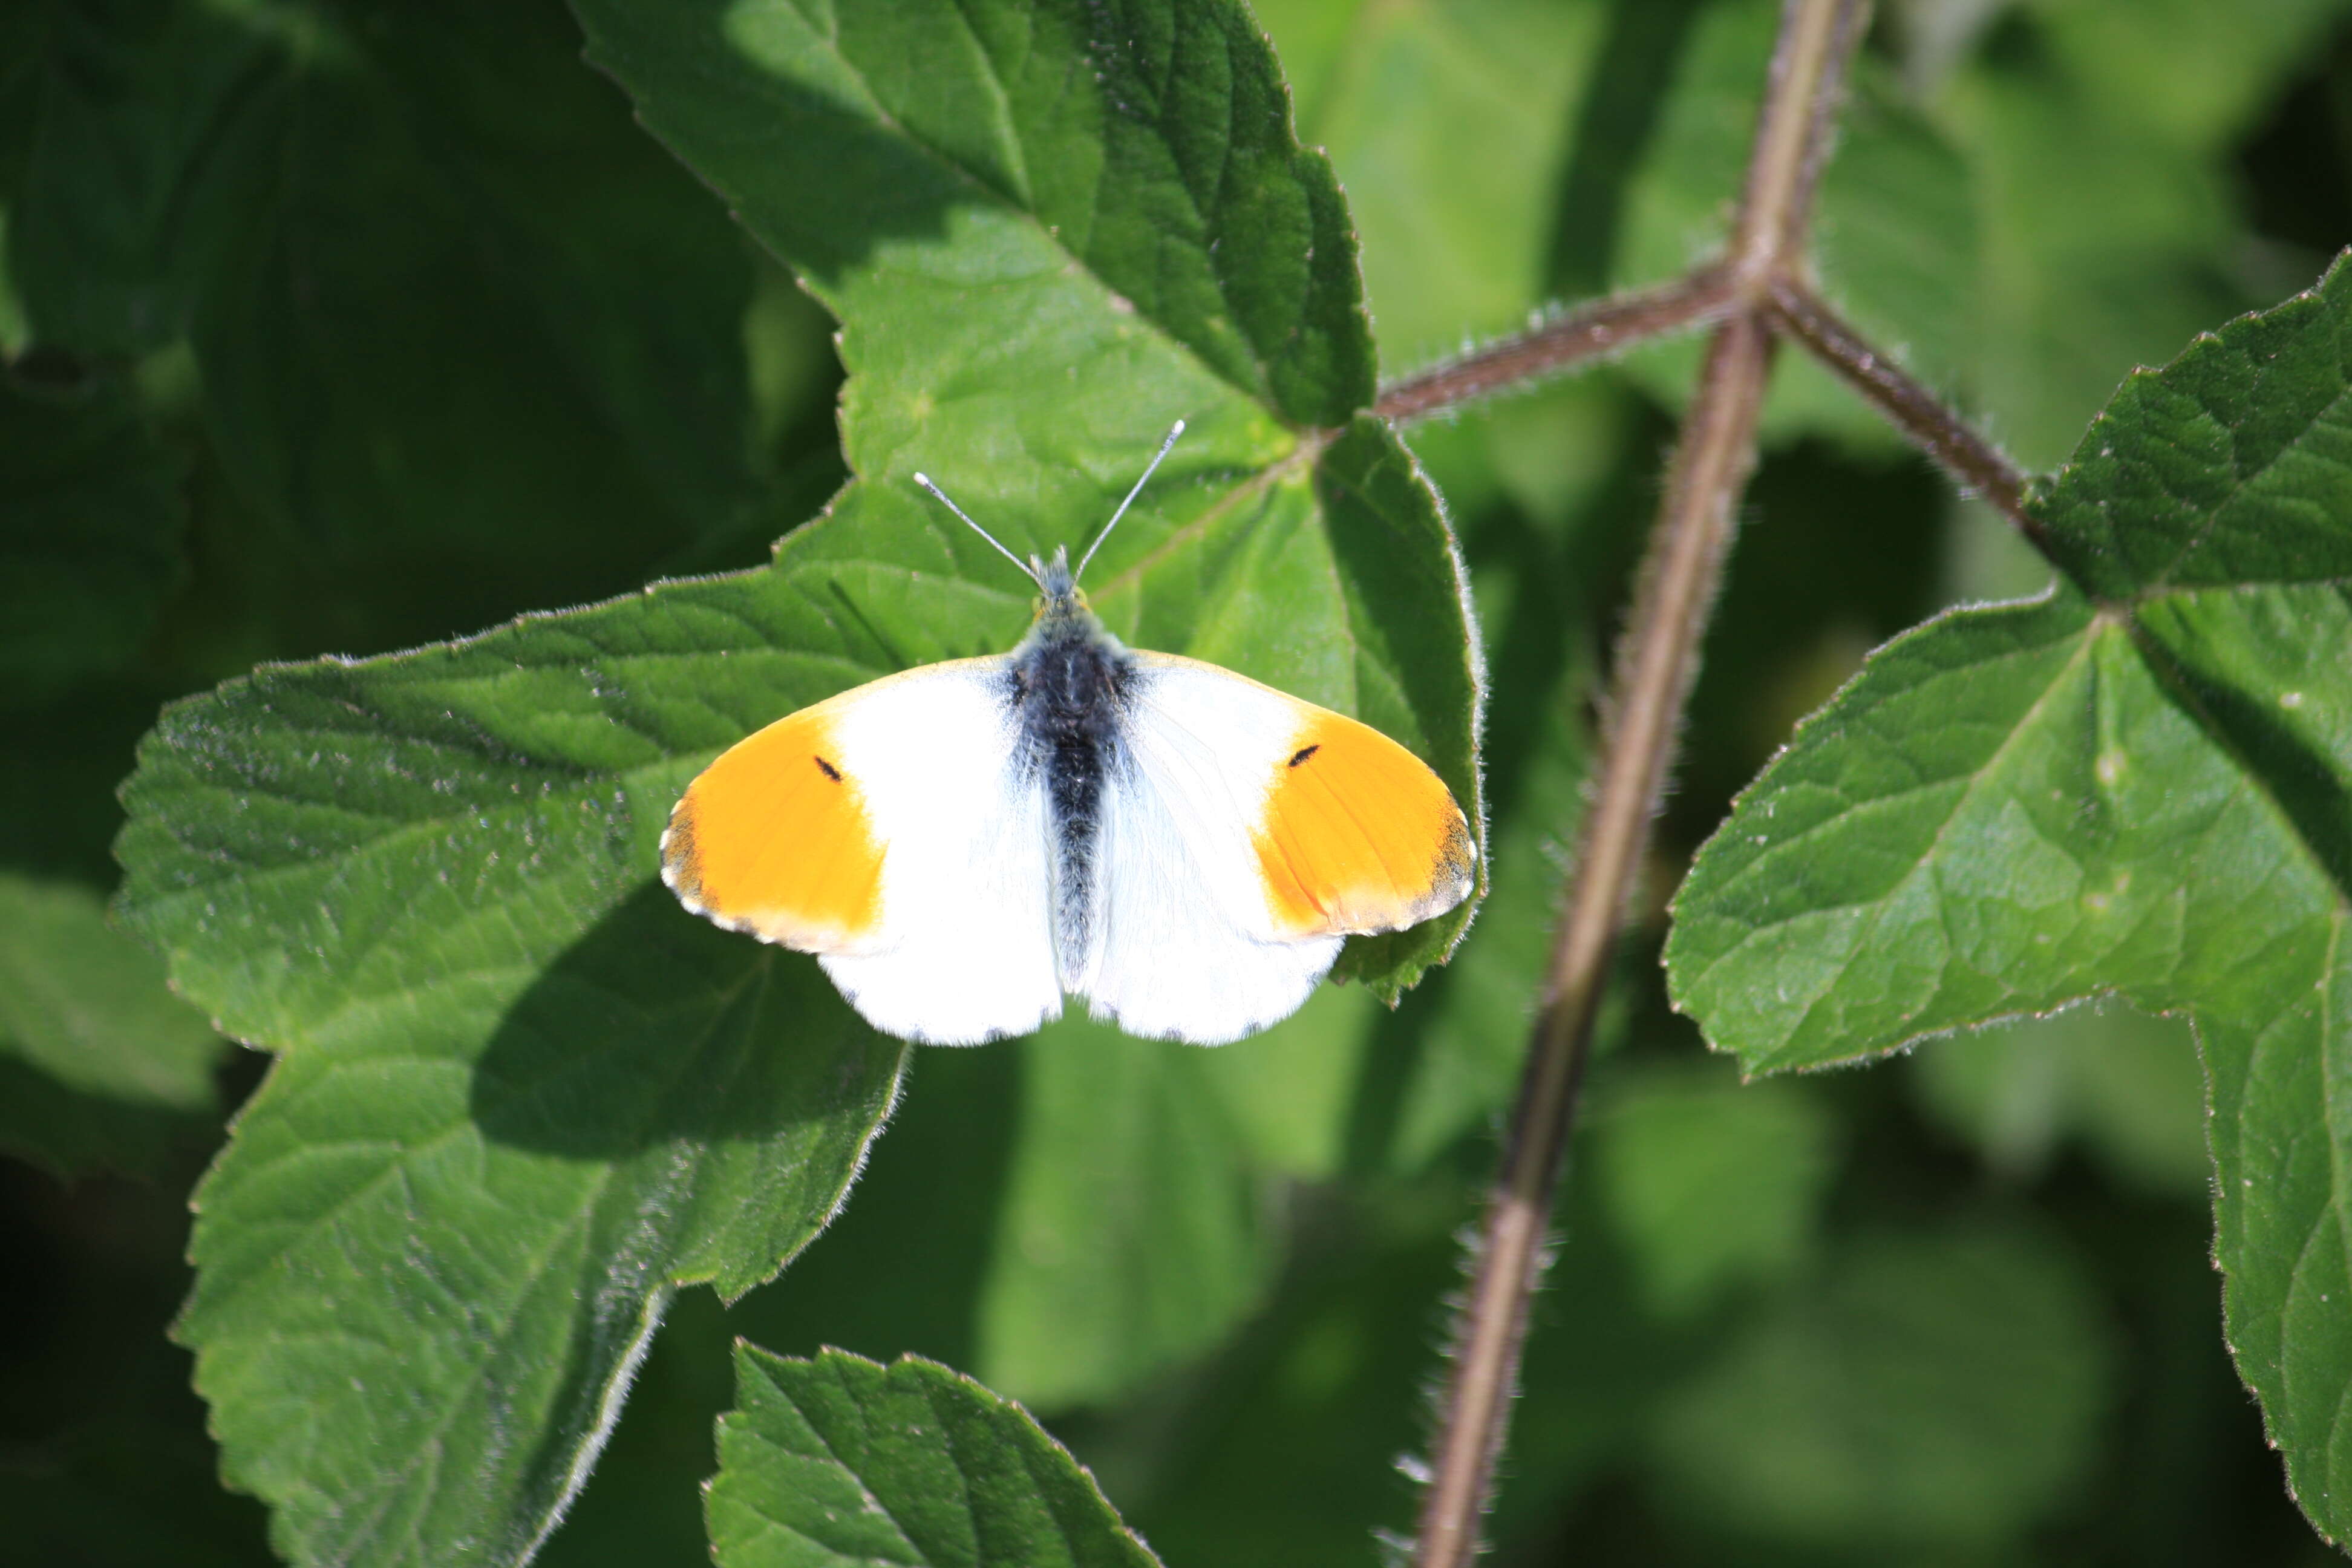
[(1058, 592), (1062, 610)]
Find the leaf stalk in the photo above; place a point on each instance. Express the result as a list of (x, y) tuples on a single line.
[(1590, 331), (1973, 461), (1656, 665), (1763, 266)]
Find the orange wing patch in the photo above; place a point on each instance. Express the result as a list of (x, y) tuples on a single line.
[(1359, 834), (774, 838)]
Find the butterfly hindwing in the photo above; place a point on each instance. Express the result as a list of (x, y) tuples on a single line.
[(892, 831)]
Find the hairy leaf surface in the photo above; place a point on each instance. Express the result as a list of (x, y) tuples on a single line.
[(2142, 785), (523, 1094), (840, 1460)]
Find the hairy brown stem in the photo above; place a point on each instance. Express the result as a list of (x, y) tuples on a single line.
[(1586, 332), (1761, 263), (1654, 668), (1975, 463)]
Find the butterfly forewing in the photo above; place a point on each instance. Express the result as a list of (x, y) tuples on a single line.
[(776, 839), (955, 947), (1232, 867), (1358, 835)]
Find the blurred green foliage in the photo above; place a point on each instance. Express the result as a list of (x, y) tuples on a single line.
[(102, 1066), (339, 326)]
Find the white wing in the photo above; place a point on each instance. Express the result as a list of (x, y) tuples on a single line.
[(968, 951), (890, 831), (1186, 948)]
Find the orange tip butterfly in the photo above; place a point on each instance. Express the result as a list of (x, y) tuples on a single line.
[(963, 844)]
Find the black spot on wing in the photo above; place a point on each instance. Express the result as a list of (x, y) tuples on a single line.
[(828, 770), (1303, 752)]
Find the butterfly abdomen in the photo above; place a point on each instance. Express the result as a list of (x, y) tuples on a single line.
[(1070, 686)]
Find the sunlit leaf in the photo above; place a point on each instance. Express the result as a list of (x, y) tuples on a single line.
[(522, 1090), (1112, 307), (1455, 249), (428, 879), (2142, 792), (839, 1460)]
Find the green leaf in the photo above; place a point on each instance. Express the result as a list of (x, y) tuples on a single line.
[(524, 1094), (343, 207), (1129, 1235), (1072, 1214), (2192, 73), (1936, 1390), (2018, 806), (90, 522), (1114, 1221), (1454, 246), (428, 881), (2093, 263), (1169, 174), (110, 240), (1289, 1095), (1022, 325), (2227, 470), (840, 1460), (100, 1066)]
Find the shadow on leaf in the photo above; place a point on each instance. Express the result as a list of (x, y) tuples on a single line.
[(658, 1027)]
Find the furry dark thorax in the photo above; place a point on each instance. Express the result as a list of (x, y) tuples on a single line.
[(1069, 685)]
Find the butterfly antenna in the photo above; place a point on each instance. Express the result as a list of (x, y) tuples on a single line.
[(925, 480), (1175, 430)]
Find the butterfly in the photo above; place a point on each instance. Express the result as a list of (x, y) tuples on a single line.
[(963, 844)]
